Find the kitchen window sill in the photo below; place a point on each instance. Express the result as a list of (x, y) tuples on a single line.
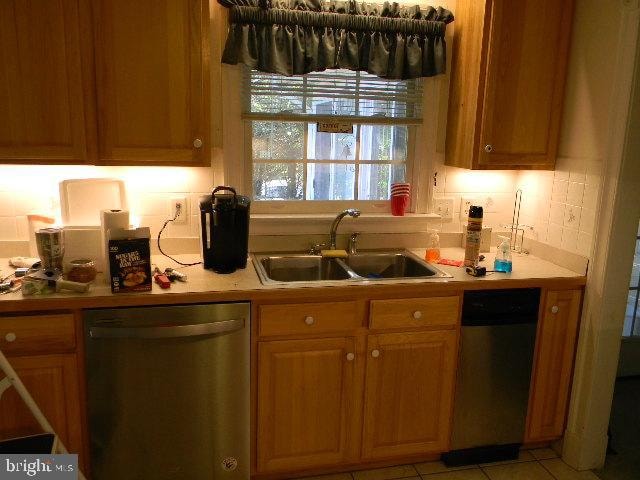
[(309, 224)]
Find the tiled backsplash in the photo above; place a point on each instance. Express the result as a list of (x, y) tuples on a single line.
[(28, 190), (561, 205), (493, 190)]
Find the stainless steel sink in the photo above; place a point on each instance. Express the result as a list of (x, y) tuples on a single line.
[(392, 265), (300, 268), (364, 266)]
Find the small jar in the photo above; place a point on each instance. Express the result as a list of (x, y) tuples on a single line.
[(82, 270)]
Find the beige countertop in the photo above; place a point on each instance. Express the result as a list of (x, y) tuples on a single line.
[(207, 286)]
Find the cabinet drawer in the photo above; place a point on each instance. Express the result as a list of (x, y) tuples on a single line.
[(308, 318), (414, 312), (37, 334)]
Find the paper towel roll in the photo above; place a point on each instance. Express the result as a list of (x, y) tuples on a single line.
[(111, 220)]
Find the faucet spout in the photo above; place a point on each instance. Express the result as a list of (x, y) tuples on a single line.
[(352, 212)]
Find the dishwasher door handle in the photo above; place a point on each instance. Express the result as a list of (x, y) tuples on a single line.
[(175, 331)]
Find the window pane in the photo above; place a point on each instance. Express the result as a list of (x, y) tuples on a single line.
[(331, 146), (276, 104), (277, 181), (628, 318), (330, 181), (635, 272), (375, 180), (384, 142), (278, 140), (331, 106)]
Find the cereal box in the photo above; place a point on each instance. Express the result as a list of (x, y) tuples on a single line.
[(130, 260)]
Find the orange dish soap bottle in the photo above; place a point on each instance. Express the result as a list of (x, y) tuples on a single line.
[(432, 254)]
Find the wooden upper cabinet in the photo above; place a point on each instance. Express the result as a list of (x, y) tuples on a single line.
[(507, 83), (152, 81), (308, 404), (408, 393), (42, 85), (553, 365)]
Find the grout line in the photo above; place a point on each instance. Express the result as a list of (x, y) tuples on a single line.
[(547, 470), (484, 473)]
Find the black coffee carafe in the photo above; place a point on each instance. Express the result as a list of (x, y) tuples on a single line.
[(224, 220)]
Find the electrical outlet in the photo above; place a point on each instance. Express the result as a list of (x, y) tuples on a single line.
[(444, 208), (488, 204), (465, 204), (179, 203)]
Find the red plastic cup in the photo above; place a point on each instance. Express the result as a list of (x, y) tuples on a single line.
[(399, 204)]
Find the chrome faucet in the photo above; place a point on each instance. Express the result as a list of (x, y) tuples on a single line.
[(352, 212)]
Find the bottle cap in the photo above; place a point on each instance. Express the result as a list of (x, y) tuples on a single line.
[(475, 211)]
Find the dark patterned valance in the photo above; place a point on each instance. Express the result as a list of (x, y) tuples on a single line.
[(294, 37)]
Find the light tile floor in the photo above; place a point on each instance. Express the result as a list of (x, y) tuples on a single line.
[(540, 464)]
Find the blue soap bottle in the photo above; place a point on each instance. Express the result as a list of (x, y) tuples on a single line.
[(503, 257)]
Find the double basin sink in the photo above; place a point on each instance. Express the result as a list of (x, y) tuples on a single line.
[(365, 266)]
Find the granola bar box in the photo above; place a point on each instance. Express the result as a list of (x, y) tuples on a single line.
[(130, 260)]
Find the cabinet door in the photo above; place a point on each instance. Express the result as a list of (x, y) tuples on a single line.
[(527, 57), (52, 381), (553, 365), (408, 393), (307, 403), (41, 82), (152, 81)]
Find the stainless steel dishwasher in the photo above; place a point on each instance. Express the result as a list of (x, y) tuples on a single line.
[(494, 373), (168, 392)]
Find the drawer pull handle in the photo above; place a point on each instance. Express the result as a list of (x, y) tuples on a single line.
[(10, 337), (309, 320), (375, 353), (350, 357), (417, 314), (555, 309), (197, 143)]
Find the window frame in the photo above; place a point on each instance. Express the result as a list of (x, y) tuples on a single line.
[(634, 288), (323, 206), (230, 156)]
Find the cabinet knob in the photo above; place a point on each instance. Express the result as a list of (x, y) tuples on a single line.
[(350, 356), (10, 337), (555, 309), (309, 320), (417, 314), (197, 143), (375, 353), (488, 148)]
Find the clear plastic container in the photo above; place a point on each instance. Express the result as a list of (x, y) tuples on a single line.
[(432, 254)]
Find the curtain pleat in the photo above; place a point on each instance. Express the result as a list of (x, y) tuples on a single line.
[(295, 37)]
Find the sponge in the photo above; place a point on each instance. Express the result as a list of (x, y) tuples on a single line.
[(334, 253)]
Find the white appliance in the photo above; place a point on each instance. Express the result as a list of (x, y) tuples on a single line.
[(82, 200)]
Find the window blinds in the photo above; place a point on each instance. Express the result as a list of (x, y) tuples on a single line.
[(336, 95)]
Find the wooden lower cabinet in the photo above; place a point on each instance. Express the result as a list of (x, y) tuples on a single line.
[(553, 365), (409, 393), (308, 404), (52, 381)]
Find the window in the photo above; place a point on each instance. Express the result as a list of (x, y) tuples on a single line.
[(293, 158), (632, 317)]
